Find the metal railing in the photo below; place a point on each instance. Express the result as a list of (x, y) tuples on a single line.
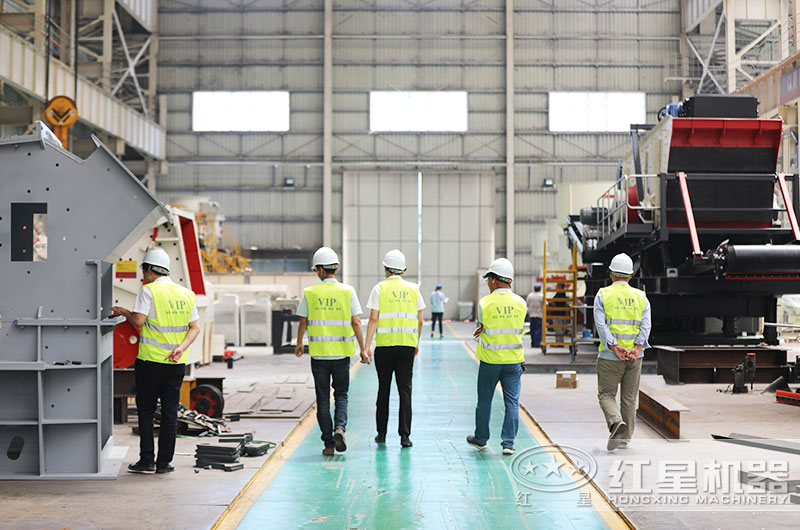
[(613, 205)]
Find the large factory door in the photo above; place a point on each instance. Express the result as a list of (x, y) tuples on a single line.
[(443, 222), (457, 234)]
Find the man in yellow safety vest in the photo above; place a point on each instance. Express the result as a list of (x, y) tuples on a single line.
[(168, 318), (396, 320), (501, 323), (622, 319), (330, 312)]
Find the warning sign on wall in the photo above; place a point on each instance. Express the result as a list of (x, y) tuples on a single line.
[(125, 269)]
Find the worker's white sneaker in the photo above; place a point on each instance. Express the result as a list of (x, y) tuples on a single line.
[(471, 440), (509, 450), (624, 444)]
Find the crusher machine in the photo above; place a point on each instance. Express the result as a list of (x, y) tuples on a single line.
[(712, 229)]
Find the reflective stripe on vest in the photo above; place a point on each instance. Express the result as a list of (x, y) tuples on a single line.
[(503, 320), (504, 331), (623, 322), (330, 328), (154, 342), (398, 320), (624, 307), (173, 306), (166, 329), (331, 339)]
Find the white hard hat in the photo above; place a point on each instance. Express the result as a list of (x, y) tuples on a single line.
[(621, 264), (502, 268), (394, 259), (324, 257), (157, 259)]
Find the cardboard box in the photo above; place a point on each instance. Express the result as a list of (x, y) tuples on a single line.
[(188, 384), (567, 379)]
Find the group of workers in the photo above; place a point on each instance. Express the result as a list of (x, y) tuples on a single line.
[(330, 313)]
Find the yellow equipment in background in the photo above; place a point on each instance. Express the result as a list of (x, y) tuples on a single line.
[(557, 310), (215, 259)]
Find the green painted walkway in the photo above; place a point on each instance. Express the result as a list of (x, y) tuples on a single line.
[(441, 482)]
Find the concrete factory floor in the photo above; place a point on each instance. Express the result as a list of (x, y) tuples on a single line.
[(570, 417)]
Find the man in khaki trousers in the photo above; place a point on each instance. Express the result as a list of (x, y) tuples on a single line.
[(622, 318)]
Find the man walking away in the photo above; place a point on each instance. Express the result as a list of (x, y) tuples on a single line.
[(396, 320), (501, 321), (438, 299), (622, 318), (535, 301), (168, 318), (330, 312)]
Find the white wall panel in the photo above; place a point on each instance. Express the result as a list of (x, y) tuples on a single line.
[(476, 65)]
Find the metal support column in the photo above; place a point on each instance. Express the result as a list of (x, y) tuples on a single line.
[(510, 132), (327, 126), (108, 41)]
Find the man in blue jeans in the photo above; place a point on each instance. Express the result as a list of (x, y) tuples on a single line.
[(330, 312), (501, 321)]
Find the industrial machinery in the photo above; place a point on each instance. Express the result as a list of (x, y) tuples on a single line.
[(711, 226), (699, 207), (63, 223), (177, 235)]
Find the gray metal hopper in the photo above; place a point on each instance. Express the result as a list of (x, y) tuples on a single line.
[(63, 223)]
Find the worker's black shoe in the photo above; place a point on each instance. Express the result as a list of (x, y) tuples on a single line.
[(471, 440), (405, 441), (141, 467), (380, 438), (613, 440), (328, 451), (338, 438), (169, 468)]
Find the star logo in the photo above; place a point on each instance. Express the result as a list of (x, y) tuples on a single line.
[(553, 467), (542, 468), (529, 469)]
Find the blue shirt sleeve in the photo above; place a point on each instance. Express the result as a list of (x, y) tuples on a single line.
[(603, 332), (644, 329)]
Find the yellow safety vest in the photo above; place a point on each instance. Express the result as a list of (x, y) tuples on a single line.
[(330, 331), (503, 320), (173, 305), (398, 320), (624, 306)]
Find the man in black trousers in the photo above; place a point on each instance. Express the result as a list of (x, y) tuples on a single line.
[(396, 321), (168, 318)]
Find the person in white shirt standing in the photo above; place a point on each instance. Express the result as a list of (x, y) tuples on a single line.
[(396, 320), (535, 301), (168, 318), (438, 300)]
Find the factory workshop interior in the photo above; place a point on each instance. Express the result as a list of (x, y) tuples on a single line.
[(554, 242)]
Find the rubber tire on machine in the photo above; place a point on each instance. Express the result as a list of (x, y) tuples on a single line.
[(208, 400)]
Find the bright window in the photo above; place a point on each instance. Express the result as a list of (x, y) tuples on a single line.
[(596, 111), (418, 111), (240, 111)]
